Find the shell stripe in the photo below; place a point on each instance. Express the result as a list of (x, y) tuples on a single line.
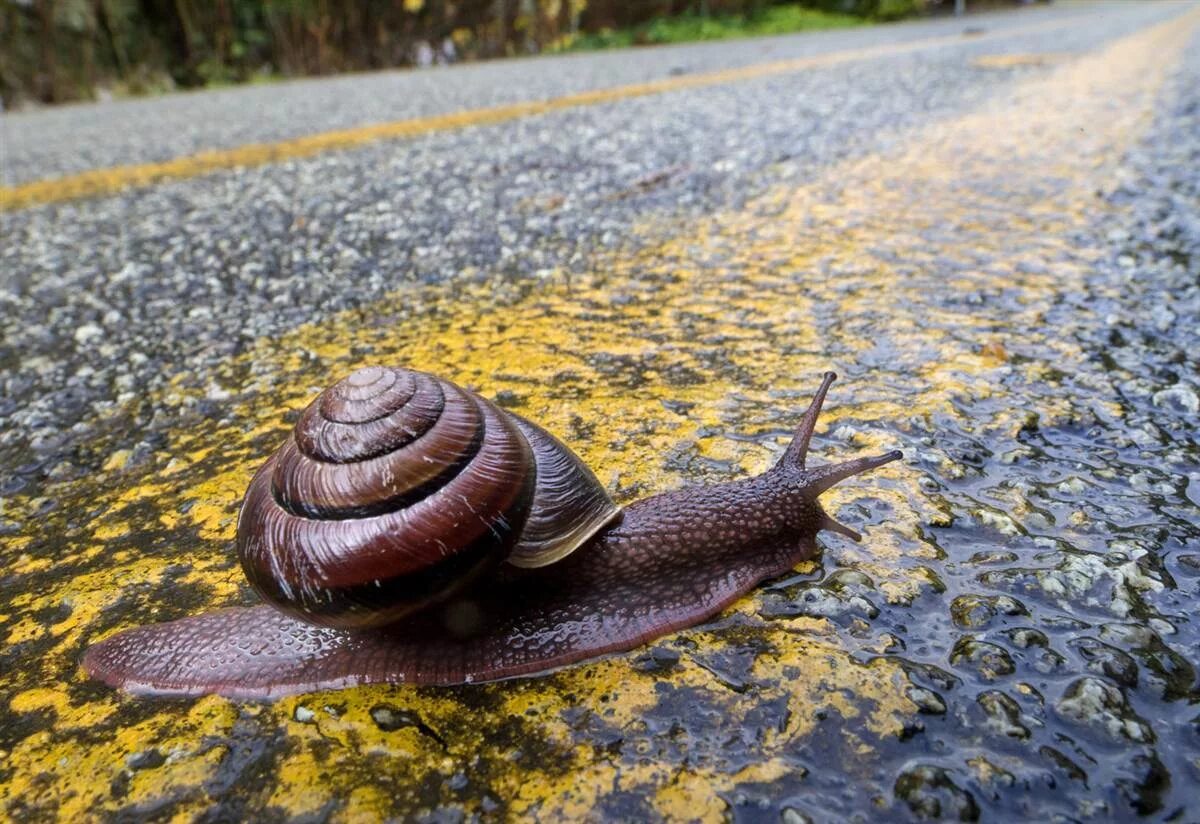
[(367, 395), (387, 600), (334, 571), (395, 479), (569, 504), (334, 441)]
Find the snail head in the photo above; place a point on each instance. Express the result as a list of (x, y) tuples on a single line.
[(808, 484)]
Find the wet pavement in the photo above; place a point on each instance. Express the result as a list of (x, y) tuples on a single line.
[(1008, 287)]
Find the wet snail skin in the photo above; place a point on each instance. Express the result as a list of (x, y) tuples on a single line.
[(410, 531)]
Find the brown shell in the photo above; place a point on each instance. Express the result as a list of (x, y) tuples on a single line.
[(396, 488)]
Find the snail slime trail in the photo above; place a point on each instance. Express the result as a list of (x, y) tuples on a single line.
[(410, 531)]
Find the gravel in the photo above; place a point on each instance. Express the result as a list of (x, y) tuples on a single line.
[(1050, 649), (56, 141), (133, 289)]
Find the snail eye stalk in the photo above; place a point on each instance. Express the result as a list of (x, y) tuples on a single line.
[(797, 450), (825, 477)]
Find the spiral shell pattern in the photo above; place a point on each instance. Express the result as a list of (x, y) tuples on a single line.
[(396, 488)]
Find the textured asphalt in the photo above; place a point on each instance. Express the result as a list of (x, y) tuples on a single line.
[(108, 298), (53, 142), (1002, 258)]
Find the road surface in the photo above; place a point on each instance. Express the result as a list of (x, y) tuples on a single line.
[(990, 229)]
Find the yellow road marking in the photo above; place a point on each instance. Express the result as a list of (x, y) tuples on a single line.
[(756, 332), (106, 181), (1015, 61)]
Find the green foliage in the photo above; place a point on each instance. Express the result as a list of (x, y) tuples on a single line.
[(876, 9), (56, 50), (693, 27), (896, 9)]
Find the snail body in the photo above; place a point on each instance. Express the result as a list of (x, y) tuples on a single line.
[(491, 552)]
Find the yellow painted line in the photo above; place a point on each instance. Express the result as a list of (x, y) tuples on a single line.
[(1016, 61), (961, 205), (106, 181)]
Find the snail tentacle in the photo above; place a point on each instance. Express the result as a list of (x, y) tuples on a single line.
[(797, 451), (828, 523), (825, 477)]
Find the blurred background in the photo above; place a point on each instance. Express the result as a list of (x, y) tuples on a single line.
[(55, 51)]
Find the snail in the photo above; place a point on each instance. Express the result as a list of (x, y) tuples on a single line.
[(410, 531)]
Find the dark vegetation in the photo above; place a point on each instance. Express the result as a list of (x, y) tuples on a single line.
[(59, 50)]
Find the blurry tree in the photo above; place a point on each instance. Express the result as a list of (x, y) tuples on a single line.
[(57, 50)]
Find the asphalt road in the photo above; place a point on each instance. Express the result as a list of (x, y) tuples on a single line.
[(69, 139), (995, 237), (132, 290)]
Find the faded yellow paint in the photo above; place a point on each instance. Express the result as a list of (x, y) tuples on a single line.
[(106, 181), (117, 460), (90, 771), (989, 773), (148, 489), (26, 564), (647, 367), (690, 796), (1014, 61), (110, 529), (69, 716), (25, 629)]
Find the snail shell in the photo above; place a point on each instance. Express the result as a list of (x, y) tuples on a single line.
[(397, 488)]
